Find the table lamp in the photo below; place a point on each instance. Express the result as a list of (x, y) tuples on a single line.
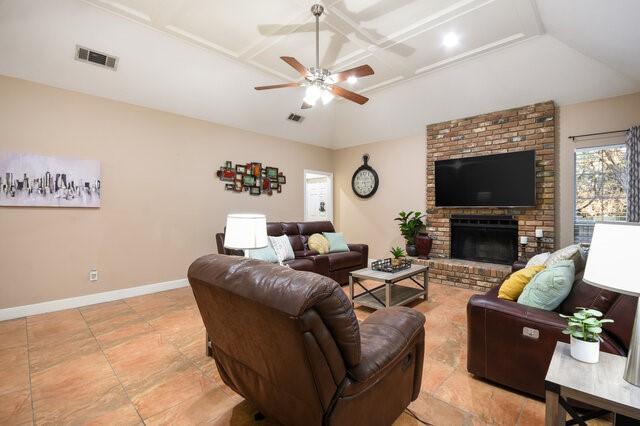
[(246, 231), (613, 265)]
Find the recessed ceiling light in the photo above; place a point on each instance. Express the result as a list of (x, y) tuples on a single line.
[(451, 40), (352, 79)]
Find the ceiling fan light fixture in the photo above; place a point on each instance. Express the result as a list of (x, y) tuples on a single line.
[(312, 94), (326, 96), (319, 82)]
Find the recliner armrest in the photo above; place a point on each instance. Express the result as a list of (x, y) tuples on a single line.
[(508, 308), (321, 264), (363, 249), (385, 336)]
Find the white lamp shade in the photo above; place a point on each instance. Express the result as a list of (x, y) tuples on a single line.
[(246, 231), (613, 258)]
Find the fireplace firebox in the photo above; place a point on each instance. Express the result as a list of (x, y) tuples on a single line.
[(483, 238)]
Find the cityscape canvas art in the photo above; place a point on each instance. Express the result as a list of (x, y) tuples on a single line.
[(36, 180)]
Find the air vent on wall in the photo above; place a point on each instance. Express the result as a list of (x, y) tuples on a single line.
[(97, 58), (295, 117)]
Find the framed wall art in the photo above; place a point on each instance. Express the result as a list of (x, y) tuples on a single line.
[(29, 180), (251, 177)]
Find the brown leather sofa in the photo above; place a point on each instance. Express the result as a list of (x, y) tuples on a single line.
[(289, 342), (512, 344), (333, 265)]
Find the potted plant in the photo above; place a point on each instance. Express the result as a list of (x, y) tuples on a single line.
[(584, 327), (410, 224), (398, 254)]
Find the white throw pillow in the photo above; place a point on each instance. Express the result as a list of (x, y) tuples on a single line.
[(573, 252), (538, 259), (283, 248)]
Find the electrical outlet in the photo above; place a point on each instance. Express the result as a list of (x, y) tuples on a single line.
[(93, 275)]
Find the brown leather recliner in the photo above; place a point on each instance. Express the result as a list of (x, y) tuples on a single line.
[(334, 265), (289, 342), (512, 344)]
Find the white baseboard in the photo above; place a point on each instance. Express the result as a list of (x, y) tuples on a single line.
[(89, 299)]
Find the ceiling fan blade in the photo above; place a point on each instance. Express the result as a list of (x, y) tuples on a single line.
[(306, 105), (347, 94), (361, 71), (296, 65), (278, 86)]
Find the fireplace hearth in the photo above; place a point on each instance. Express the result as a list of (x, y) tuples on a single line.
[(484, 238)]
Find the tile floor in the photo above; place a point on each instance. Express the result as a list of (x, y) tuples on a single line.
[(142, 361)]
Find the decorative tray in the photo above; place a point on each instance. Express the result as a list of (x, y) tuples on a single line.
[(386, 265)]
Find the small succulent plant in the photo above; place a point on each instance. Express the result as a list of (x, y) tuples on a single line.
[(585, 324), (397, 252)]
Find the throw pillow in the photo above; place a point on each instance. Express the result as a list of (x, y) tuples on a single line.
[(268, 254), (318, 243), (282, 247), (513, 286), (549, 287), (538, 259), (336, 242), (573, 252)]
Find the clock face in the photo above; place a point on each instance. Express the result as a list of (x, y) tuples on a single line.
[(365, 182)]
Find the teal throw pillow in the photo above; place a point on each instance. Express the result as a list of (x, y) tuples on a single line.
[(268, 254), (550, 286), (336, 242)]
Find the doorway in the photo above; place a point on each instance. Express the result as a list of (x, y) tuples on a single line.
[(318, 195)]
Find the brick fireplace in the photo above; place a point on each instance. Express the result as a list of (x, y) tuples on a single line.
[(512, 130)]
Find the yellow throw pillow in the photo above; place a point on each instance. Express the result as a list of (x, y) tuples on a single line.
[(513, 286), (318, 243)]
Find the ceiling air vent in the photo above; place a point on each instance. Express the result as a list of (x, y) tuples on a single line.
[(97, 58), (295, 117)]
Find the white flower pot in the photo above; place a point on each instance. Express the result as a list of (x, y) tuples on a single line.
[(585, 351)]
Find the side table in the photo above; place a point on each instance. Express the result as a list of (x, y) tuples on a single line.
[(600, 385)]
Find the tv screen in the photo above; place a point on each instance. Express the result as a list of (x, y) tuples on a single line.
[(500, 180)]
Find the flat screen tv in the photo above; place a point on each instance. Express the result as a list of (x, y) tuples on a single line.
[(500, 180)]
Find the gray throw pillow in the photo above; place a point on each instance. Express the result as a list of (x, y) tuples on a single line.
[(282, 247)]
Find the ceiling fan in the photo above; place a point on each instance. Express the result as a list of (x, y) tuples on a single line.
[(320, 83)]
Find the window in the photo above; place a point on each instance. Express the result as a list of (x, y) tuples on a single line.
[(601, 188)]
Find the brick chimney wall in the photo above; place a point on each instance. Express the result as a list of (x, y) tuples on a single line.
[(512, 130)]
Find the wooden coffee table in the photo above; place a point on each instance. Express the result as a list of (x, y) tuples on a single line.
[(390, 292)]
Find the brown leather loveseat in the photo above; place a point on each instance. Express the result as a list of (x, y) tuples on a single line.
[(512, 344), (289, 342), (334, 265)]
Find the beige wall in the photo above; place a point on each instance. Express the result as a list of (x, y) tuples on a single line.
[(588, 117), (161, 201), (400, 165)]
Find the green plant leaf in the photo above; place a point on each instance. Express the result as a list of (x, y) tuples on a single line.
[(596, 330), (602, 321), (593, 312), (591, 321), (578, 334)]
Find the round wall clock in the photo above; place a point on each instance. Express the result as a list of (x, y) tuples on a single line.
[(365, 180)]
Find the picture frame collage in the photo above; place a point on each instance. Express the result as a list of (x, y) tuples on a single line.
[(253, 178)]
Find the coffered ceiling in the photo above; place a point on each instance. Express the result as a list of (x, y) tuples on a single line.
[(202, 58), (400, 39)]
